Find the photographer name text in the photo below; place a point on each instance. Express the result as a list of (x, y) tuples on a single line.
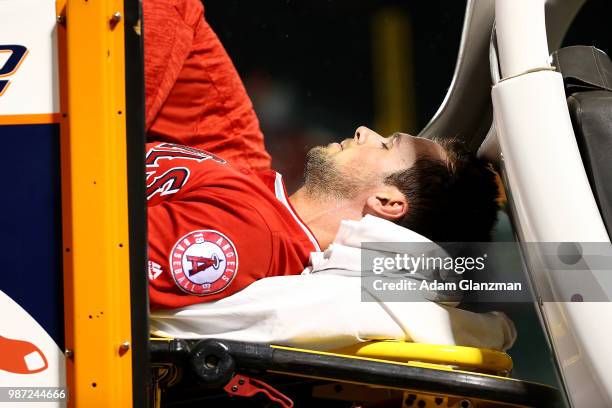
[(435, 285)]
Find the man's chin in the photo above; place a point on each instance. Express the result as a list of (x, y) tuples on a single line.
[(334, 147), (319, 152)]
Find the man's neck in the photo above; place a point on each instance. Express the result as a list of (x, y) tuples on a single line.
[(323, 214)]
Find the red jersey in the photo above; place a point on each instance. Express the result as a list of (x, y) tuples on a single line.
[(194, 96), (218, 216), (215, 227)]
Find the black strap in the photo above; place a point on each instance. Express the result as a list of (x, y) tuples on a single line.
[(584, 68)]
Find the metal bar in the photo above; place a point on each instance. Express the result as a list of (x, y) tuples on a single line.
[(95, 205), (137, 205), (231, 356)]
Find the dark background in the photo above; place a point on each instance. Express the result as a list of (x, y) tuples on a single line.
[(310, 65)]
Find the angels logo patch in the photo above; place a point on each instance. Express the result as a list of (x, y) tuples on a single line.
[(203, 262)]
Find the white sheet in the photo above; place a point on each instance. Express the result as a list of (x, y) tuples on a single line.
[(322, 308)]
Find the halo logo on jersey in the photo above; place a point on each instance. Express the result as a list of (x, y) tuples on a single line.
[(203, 262)]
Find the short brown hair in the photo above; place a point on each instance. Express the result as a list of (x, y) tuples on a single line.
[(453, 201)]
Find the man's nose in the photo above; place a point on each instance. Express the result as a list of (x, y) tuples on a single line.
[(363, 134)]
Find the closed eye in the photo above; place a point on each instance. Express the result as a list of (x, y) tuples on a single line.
[(384, 145)]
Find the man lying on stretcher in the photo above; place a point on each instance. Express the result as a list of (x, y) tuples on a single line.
[(220, 219)]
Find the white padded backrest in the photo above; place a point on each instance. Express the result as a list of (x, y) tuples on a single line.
[(466, 111)]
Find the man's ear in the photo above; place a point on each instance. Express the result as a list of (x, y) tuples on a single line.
[(388, 203)]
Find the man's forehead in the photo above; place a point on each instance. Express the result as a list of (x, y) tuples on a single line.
[(422, 147)]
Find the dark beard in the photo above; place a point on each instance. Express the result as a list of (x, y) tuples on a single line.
[(324, 180)]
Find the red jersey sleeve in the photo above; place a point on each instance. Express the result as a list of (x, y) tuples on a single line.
[(169, 27), (199, 252), (215, 228), (206, 238), (194, 96)]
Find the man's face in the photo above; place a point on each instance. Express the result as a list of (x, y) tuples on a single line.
[(351, 167)]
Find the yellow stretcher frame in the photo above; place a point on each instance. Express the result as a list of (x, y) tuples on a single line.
[(97, 253), (481, 360), (400, 367)]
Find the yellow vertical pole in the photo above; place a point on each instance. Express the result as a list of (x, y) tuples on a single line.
[(394, 107), (95, 204)]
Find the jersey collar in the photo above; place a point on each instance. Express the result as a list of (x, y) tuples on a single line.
[(281, 195)]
